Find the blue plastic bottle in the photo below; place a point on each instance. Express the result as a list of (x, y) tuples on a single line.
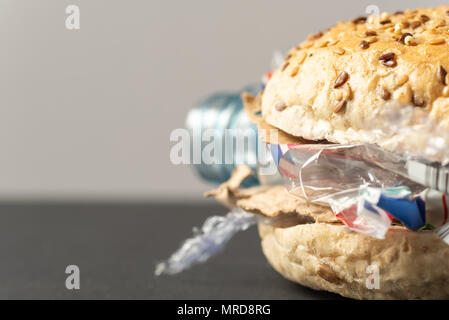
[(220, 112)]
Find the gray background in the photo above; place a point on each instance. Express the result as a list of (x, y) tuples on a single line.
[(87, 114), (116, 248)]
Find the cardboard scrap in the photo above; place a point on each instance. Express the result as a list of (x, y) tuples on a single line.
[(269, 201), (228, 193)]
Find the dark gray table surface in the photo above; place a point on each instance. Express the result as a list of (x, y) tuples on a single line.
[(116, 247)]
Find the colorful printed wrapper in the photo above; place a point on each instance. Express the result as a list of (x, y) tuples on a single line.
[(366, 186)]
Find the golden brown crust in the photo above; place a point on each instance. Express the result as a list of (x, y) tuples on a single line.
[(337, 82), (252, 106), (412, 265)]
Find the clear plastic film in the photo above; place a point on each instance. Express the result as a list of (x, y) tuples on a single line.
[(365, 185), (215, 233), (406, 130), (206, 241), (333, 174)]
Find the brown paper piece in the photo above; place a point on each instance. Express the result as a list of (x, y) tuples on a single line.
[(269, 201), (228, 192)]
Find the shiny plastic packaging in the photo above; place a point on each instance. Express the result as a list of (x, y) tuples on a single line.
[(207, 241), (366, 186)]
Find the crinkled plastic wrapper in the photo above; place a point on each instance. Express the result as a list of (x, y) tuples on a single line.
[(408, 130), (213, 236), (366, 186), (207, 241)]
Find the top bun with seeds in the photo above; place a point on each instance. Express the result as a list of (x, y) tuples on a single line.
[(342, 83)]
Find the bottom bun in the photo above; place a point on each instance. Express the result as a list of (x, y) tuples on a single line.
[(411, 265)]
